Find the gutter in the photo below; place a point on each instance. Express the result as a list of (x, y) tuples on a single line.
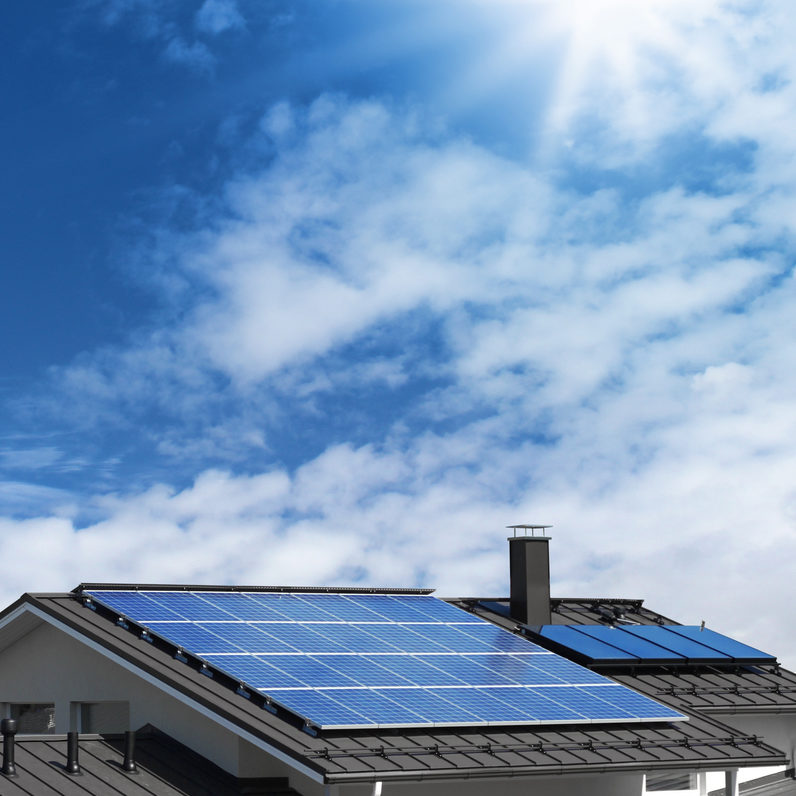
[(558, 770)]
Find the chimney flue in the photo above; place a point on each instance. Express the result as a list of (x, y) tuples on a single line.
[(72, 764), (8, 728), (529, 571), (129, 753)]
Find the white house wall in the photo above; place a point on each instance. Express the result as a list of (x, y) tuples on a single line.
[(47, 665), (777, 729), (596, 785)]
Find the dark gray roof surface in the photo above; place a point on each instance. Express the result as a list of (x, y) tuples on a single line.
[(164, 768), (713, 691), (366, 755)]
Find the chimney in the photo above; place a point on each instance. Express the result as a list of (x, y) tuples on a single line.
[(529, 571)]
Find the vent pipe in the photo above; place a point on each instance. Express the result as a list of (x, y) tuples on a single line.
[(72, 764), (129, 753), (529, 572), (8, 727)]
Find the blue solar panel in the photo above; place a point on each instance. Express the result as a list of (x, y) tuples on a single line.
[(420, 672), (690, 650), (436, 708), (587, 703), (292, 607), (324, 710), (249, 637), (438, 611), (485, 703), (723, 644), (406, 638), (452, 639), (380, 705), (341, 608), (632, 703), (363, 660), (468, 670), (590, 648), (254, 671), (305, 639), (566, 671), (516, 669), (190, 606), (312, 671), (193, 637), (634, 645), (669, 644), (392, 608), (138, 606), (498, 640), (366, 671), (244, 606), (543, 705)]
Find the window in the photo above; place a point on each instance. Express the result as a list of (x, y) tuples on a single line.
[(32, 718), (670, 780), (103, 717)]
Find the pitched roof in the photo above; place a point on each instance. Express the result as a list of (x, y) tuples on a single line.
[(368, 755)]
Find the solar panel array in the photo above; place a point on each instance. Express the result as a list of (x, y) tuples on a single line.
[(660, 644), (345, 661)]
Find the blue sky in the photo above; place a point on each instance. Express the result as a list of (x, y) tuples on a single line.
[(331, 292)]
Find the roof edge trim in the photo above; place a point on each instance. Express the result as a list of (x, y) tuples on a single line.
[(282, 589)]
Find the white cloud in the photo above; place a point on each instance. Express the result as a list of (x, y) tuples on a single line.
[(617, 362), (217, 16), (196, 55), (29, 458)]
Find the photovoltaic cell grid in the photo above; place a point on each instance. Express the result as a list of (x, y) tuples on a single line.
[(666, 644), (348, 661)]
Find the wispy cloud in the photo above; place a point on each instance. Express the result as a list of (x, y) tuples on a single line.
[(162, 22), (218, 16)]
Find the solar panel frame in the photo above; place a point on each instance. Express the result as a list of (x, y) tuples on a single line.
[(333, 671)]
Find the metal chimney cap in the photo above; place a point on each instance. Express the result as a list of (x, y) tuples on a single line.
[(532, 528)]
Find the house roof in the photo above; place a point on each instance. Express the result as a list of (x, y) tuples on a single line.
[(368, 755), (164, 768)]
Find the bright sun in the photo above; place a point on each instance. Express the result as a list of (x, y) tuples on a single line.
[(606, 48)]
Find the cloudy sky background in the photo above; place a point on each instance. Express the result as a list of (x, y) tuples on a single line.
[(329, 293)]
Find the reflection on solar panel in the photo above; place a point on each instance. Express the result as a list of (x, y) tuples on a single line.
[(658, 644), (378, 660)]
